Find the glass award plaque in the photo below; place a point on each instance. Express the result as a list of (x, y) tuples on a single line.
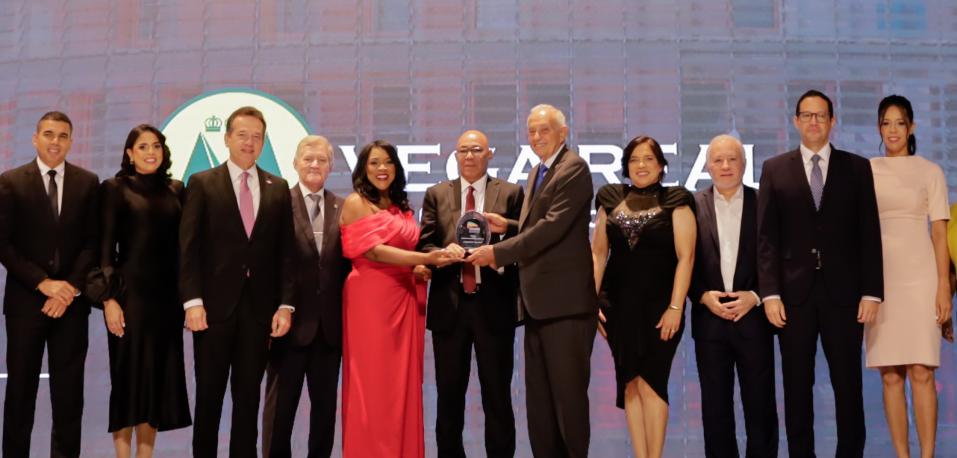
[(472, 231)]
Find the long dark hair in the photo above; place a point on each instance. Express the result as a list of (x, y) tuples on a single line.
[(360, 178), (655, 149), (128, 169), (904, 105)]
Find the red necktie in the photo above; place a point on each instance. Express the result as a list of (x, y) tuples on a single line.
[(468, 270)]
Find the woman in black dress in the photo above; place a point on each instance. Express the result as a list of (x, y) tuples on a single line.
[(643, 252), (140, 210)]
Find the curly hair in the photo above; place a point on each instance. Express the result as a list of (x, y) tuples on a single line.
[(365, 188)]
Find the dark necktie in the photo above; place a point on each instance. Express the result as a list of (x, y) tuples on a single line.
[(317, 220), (52, 194), (542, 169), (817, 181), (468, 270)]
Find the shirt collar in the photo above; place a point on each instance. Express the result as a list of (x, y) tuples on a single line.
[(46, 168), (235, 170), (478, 186), (306, 191), (806, 153), (551, 159), (738, 195)]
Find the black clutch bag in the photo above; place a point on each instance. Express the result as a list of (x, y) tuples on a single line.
[(102, 284)]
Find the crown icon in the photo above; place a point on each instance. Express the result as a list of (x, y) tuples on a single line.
[(213, 124)]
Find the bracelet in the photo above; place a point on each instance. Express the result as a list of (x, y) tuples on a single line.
[(674, 307)]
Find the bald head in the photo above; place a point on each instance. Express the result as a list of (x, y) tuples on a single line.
[(726, 163), (472, 155), (546, 130)]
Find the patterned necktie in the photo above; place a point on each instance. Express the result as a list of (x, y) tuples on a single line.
[(246, 204), (468, 270), (53, 194), (817, 181), (542, 169), (315, 215)]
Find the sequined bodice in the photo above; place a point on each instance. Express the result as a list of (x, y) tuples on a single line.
[(635, 212)]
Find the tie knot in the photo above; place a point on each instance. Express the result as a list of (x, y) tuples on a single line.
[(815, 159), (52, 173), (315, 197)]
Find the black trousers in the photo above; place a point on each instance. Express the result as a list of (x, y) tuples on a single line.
[(67, 339), (557, 372), (841, 337), (289, 365), (754, 361), (233, 351), (494, 355)]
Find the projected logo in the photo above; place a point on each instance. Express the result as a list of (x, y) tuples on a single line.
[(195, 132)]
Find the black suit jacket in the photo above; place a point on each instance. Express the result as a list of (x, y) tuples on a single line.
[(218, 262), (552, 248), (707, 270), (441, 210), (30, 235), (319, 279), (845, 230)]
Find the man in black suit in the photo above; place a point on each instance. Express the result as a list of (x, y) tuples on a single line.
[(47, 244), (729, 334), (312, 350), (557, 287), (471, 306), (820, 271), (236, 253)]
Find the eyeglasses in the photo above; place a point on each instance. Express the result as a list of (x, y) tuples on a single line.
[(475, 150), (806, 116)]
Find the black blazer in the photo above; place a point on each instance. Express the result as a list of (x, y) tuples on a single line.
[(218, 262), (441, 210), (845, 230), (319, 279), (30, 235), (707, 270), (552, 248)]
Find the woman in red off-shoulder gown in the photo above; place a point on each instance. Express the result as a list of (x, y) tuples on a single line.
[(383, 313)]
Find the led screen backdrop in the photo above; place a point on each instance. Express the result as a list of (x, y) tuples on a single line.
[(419, 72)]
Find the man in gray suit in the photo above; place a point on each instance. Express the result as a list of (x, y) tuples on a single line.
[(557, 287)]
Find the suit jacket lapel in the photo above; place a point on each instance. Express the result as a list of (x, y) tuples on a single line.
[(491, 194), (796, 164), (265, 196), (527, 202), (37, 182), (301, 213), (455, 197), (836, 161), (747, 234), (530, 200), (70, 193), (225, 182), (711, 218), (330, 214)]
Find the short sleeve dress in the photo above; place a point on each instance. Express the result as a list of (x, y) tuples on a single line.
[(638, 280), (911, 192)]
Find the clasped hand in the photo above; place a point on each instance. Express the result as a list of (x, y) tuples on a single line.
[(59, 295)]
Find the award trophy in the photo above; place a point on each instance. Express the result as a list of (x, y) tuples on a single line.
[(472, 231)]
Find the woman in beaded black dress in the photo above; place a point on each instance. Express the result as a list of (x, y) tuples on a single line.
[(643, 252), (140, 209)]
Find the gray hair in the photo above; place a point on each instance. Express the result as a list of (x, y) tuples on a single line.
[(555, 113), (315, 141), (728, 138)]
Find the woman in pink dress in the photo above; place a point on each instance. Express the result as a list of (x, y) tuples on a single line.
[(383, 313), (903, 342)]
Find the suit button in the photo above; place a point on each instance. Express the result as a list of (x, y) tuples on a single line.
[(318, 290)]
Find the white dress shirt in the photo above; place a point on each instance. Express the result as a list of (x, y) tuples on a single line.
[(320, 203), (478, 193), (235, 176), (825, 154), (727, 215), (58, 179)]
